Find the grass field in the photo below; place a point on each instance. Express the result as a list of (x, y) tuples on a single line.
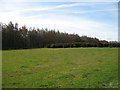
[(60, 68)]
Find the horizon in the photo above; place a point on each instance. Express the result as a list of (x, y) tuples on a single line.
[(92, 19)]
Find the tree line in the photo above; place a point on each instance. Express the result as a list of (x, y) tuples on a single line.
[(14, 37)]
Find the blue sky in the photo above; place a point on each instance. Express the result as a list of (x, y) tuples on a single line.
[(94, 19)]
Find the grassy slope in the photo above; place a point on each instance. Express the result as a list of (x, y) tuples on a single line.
[(71, 67)]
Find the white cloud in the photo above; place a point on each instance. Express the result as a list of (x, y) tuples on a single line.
[(14, 5), (92, 11), (48, 8)]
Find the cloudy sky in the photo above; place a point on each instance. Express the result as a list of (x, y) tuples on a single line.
[(95, 19)]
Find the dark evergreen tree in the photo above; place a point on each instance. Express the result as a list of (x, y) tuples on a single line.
[(23, 38)]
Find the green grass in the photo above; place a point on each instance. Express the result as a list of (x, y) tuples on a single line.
[(60, 68)]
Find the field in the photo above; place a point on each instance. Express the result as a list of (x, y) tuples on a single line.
[(60, 68)]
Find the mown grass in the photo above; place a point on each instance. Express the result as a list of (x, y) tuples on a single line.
[(60, 68)]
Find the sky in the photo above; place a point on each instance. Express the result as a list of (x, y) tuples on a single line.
[(94, 18)]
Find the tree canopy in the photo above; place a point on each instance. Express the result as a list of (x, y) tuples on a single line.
[(14, 37)]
